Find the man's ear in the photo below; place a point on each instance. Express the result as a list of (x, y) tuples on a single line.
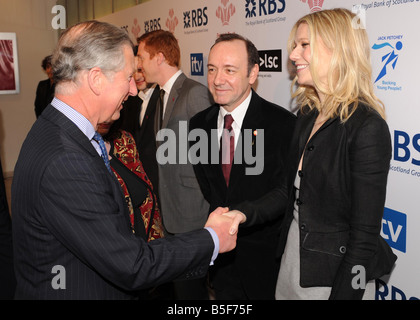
[(160, 58), (253, 75), (95, 79)]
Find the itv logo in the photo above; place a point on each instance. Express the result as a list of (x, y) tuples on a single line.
[(197, 68), (394, 229)]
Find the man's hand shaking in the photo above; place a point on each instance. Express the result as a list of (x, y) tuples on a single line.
[(226, 223)]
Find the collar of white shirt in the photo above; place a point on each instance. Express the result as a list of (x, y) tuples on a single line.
[(168, 86), (145, 96), (238, 115)]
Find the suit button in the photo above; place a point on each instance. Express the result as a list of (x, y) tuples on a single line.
[(300, 173), (303, 227), (342, 249), (310, 148)]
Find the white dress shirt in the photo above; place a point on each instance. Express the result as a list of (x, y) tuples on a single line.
[(167, 87), (145, 96), (238, 115)]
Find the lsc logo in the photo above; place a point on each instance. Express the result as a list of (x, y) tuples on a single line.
[(270, 60)]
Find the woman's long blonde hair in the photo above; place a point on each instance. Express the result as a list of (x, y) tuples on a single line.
[(349, 79)]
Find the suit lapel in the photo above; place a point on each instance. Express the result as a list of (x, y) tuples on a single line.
[(307, 122), (73, 132), (150, 112), (210, 126), (306, 128), (173, 96), (252, 121)]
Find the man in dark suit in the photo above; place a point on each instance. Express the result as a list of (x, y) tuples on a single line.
[(261, 132), (45, 88), (183, 206), (137, 117), (7, 275), (71, 229)]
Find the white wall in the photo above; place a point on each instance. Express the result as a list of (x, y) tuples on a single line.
[(31, 21), (393, 29)]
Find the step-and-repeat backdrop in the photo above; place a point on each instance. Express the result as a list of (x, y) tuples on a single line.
[(393, 27)]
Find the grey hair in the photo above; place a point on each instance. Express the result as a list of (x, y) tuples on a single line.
[(87, 45)]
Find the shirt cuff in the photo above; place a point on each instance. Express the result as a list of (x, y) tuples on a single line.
[(216, 244)]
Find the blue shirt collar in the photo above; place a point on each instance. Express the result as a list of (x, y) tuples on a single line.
[(77, 118)]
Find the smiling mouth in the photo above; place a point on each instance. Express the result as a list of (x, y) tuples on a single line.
[(301, 67), (220, 90)]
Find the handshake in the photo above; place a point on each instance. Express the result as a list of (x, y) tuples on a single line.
[(226, 223)]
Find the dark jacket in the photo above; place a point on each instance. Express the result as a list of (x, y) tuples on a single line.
[(255, 256), (69, 211), (341, 200), (44, 95)]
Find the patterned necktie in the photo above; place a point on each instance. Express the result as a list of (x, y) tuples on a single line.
[(227, 147), (104, 154)]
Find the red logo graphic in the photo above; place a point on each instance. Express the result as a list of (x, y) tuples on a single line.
[(135, 29), (172, 21), (314, 5), (224, 13)]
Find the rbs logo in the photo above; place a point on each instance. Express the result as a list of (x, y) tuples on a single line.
[(195, 18), (265, 7), (151, 25), (402, 143), (197, 64), (394, 229)]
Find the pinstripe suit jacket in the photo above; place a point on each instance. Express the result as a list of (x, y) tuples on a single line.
[(69, 211)]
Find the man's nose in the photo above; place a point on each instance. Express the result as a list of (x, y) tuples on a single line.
[(133, 87)]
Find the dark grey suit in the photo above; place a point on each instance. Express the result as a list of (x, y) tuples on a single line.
[(183, 205), (69, 211)]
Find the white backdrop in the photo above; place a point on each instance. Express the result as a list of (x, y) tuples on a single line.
[(393, 27)]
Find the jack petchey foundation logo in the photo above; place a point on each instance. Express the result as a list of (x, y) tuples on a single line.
[(387, 51)]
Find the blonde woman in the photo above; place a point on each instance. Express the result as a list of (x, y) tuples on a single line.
[(330, 243)]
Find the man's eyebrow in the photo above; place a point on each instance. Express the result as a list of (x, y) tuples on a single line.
[(224, 66)]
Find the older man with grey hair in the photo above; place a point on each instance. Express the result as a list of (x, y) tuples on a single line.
[(71, 229)]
